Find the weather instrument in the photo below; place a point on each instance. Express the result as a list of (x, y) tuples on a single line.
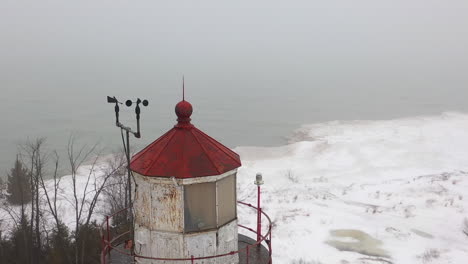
[(129, 103), (126, 143)]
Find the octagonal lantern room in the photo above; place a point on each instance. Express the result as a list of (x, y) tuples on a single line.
[(185, 195)]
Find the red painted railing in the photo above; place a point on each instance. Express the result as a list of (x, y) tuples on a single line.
[(109, 244)]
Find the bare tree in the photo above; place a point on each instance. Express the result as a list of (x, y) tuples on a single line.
[(34, 153), (90, 175), (51, 199), (86, 198), (116, 190), (14, 216)]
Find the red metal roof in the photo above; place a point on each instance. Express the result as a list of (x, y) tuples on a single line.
[(184, 152)]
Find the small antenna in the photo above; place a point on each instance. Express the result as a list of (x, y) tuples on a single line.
[(183, 88)]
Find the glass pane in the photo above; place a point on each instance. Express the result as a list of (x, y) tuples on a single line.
[(226, 200), (200, 206)]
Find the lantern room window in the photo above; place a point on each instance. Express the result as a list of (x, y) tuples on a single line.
[(200, 206), (226, 189), (210, 205)]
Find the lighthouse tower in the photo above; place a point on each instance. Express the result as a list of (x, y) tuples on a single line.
[(185, 195)]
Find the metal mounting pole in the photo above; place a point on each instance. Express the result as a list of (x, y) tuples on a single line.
[(129, 172), (259, 182), (259, 215)]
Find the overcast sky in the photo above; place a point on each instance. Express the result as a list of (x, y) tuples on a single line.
[(295, 61), (400, 41)]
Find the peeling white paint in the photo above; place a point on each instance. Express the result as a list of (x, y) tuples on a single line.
[(142, 241), (228, 242), (166, 245), (201, 244), (142, 202), (159, 224), (167, 208)]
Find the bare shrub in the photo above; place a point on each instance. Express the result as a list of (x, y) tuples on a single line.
[(429, 255), (291, 176)]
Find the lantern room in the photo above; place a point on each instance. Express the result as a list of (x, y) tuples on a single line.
[(185, 200)]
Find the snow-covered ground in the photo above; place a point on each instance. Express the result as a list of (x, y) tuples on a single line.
[(358, 191), (396, 190)]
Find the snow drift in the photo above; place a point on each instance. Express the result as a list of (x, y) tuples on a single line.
[(403, 182)]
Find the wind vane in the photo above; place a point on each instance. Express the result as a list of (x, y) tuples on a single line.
[(126, 145)]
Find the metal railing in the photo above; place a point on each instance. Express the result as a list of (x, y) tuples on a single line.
[(109, 243)]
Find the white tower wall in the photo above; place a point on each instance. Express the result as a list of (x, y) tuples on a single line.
[(159, 223)]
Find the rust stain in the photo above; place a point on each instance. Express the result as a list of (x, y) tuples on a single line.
[(166, 208), (168, 195), (143, 203)]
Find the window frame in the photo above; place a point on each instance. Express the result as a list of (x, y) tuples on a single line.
[(217, 223)]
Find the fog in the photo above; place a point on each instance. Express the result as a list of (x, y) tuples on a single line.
[(254, 70)]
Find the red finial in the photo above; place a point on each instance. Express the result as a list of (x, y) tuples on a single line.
[(183, 111)]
